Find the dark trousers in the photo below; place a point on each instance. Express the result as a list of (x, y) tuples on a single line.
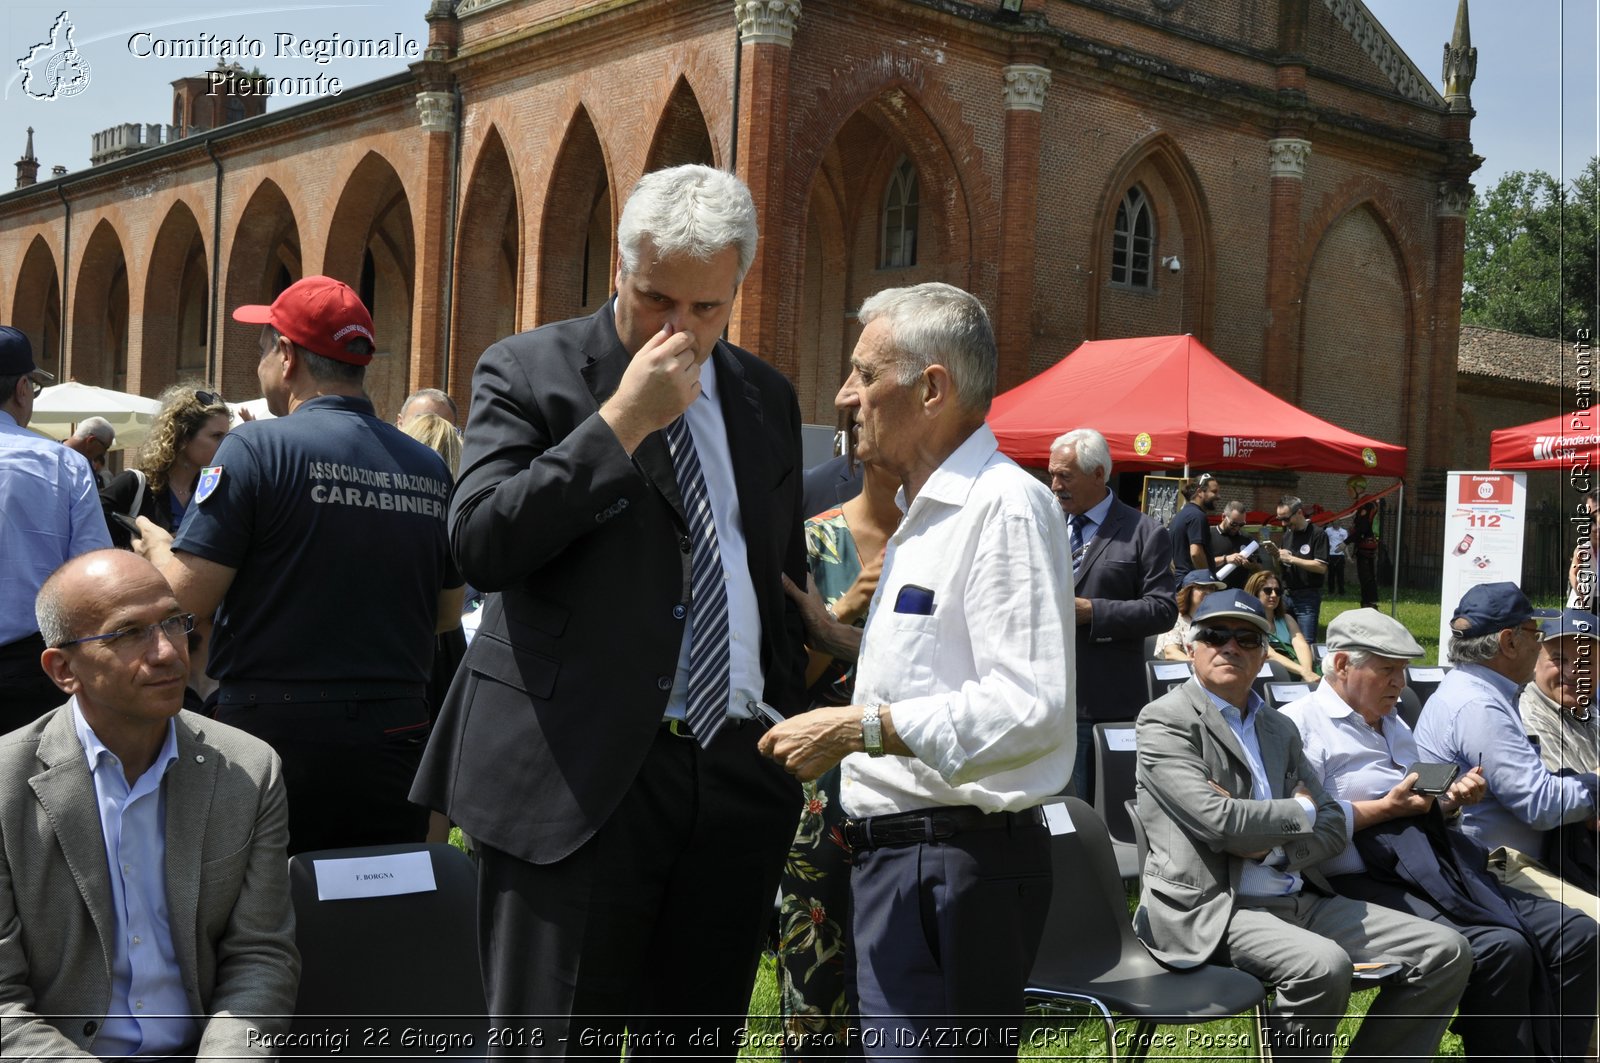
[(26, 693), (1367, 576), (656, 923), (1495, 1017), (945, 934), (1083, 761), (1336, 574), (347, 767)]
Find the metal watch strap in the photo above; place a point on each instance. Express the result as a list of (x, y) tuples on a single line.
[(872, 730)]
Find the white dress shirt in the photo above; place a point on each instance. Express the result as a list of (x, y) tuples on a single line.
[(980, 688), (1353, 760)]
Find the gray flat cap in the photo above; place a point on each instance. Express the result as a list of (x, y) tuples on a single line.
[(1373, 632)]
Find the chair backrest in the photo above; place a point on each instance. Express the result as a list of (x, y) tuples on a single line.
[(1409, 707), (1162, 676), (1271, 672), (411, 954), (1115, 761), (1280, 694), (1425, 679), (1141, 841), (1088, 930)]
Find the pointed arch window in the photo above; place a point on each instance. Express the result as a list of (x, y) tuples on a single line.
[(900, 218), (1132, 241)]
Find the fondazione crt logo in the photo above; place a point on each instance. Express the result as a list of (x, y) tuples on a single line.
[(54, 69)]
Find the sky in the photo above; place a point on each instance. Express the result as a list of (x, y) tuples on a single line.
[(1535, 94)]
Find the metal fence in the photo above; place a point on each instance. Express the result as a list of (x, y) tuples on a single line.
[(1546, 548)]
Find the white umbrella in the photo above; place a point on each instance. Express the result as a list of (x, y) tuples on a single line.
[(60, 407)]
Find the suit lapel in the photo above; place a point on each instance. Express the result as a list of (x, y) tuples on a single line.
[(1103, 535), (65, 790), (190, 785), (742, 416), (1213, 722), (605, 361), (1274, 749)]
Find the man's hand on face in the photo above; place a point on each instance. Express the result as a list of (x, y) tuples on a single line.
[(656, 388)]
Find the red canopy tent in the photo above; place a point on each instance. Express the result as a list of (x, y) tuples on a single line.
[(1565, 441), (1165, 402)]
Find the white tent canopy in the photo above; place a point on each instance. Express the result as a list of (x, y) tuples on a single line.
[(59, 408)]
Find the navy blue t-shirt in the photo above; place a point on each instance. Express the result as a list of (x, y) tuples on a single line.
[(334, 523), (1188, 527)]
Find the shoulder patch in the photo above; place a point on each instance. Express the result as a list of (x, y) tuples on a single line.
[(210, 478)]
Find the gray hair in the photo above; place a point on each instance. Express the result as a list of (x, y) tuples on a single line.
[(1474, 650), (688, 210), (1292, 503), (939, 324), (1089, 450), (434, 395), (1235, 506), (50, 613), (98, 428)]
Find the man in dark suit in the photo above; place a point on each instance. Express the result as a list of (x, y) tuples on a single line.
[(1121, 564), (630, 488)]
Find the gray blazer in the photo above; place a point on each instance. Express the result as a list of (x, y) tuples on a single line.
[(227, 890), (1198, 838)]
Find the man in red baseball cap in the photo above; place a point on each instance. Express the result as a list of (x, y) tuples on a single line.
[(321, 536)]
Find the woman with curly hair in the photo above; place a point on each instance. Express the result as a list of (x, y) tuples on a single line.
[(187, 431)]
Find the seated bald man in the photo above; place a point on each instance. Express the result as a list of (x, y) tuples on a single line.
[(144, 890)]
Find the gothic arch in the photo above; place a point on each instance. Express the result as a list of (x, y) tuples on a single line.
[(681, 134), (820, 349), (572, 244), (99, 353), (372, 247), (488, 261), (36, 304), (264, 258), (1159, 166), (177, 297)]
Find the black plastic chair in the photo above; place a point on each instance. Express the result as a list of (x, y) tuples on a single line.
[(1140, 841), (1420, 678), (1271, 672), (1161, 676), (1409, 707), (1090, 955), (1113, 785), (1281, 694), (387, 968)]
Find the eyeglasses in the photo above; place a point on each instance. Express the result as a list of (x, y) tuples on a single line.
[(36, 386), (1271, 590), (208, 398), (173, 627), (1220, 637)]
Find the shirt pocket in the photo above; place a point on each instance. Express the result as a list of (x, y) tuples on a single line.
[(905, 645)]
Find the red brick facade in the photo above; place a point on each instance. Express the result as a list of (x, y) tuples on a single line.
[(479, 194)]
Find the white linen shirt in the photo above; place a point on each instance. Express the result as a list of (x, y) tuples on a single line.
[(980, 689)]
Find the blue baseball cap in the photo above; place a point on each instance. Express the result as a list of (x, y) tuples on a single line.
[(1491, 607), (16, 356), (1201, 577), (1572, 622), (1232, 605)]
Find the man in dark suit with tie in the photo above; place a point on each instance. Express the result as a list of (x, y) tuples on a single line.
[(630, 490), (1122, 571)]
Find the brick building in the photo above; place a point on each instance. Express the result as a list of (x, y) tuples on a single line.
[(1274, 176)]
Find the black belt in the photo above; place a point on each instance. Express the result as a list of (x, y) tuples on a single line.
[(311, 690), (932, 825)]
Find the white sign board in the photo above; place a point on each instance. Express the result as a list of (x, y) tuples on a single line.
[(1484, 524)]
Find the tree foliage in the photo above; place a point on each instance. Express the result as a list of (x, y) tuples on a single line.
[(1530, 263)]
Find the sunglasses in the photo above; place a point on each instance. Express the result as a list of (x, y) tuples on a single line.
[(1271, 590), (208, 398), (1220, 637)]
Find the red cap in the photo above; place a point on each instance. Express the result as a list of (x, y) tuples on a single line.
[(318, 313)]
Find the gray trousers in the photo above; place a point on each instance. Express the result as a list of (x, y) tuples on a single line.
[(1303, 946)]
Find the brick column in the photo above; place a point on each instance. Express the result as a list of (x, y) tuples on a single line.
[(1443, 331), (1286, 170), (436, 206), (1024, 92), (766, 30)]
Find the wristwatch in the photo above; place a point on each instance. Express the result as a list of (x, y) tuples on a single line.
[(872, 730)]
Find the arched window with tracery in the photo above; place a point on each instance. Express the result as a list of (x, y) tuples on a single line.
[(1132, 241), (900, 218)]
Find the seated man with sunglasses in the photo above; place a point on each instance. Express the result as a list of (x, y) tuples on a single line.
[(144, 888), (1237, 821)]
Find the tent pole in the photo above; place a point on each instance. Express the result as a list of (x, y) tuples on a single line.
[(1399, 528)]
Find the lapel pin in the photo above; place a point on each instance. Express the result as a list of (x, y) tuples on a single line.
[(199, 758)]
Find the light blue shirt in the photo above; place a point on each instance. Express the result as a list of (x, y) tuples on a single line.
[(710, 434), (1353, 760), (1474, 714), (1257, 878), (1089, 523), (150, 1012), (49, 514)]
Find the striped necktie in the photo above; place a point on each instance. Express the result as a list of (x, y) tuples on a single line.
[(707, 704), (1075, 525)]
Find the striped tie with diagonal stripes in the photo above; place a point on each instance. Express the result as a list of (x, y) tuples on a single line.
[(707, 704)]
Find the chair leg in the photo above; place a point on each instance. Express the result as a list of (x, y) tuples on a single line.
[(1139, 1047), (1263, 1040)]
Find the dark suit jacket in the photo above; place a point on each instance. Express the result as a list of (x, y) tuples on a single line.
[(563, 689), (1198, 838), (829, 485), (1127, 573), (227, 890)]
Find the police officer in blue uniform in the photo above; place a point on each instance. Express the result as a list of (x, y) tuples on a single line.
[(321, 536)]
